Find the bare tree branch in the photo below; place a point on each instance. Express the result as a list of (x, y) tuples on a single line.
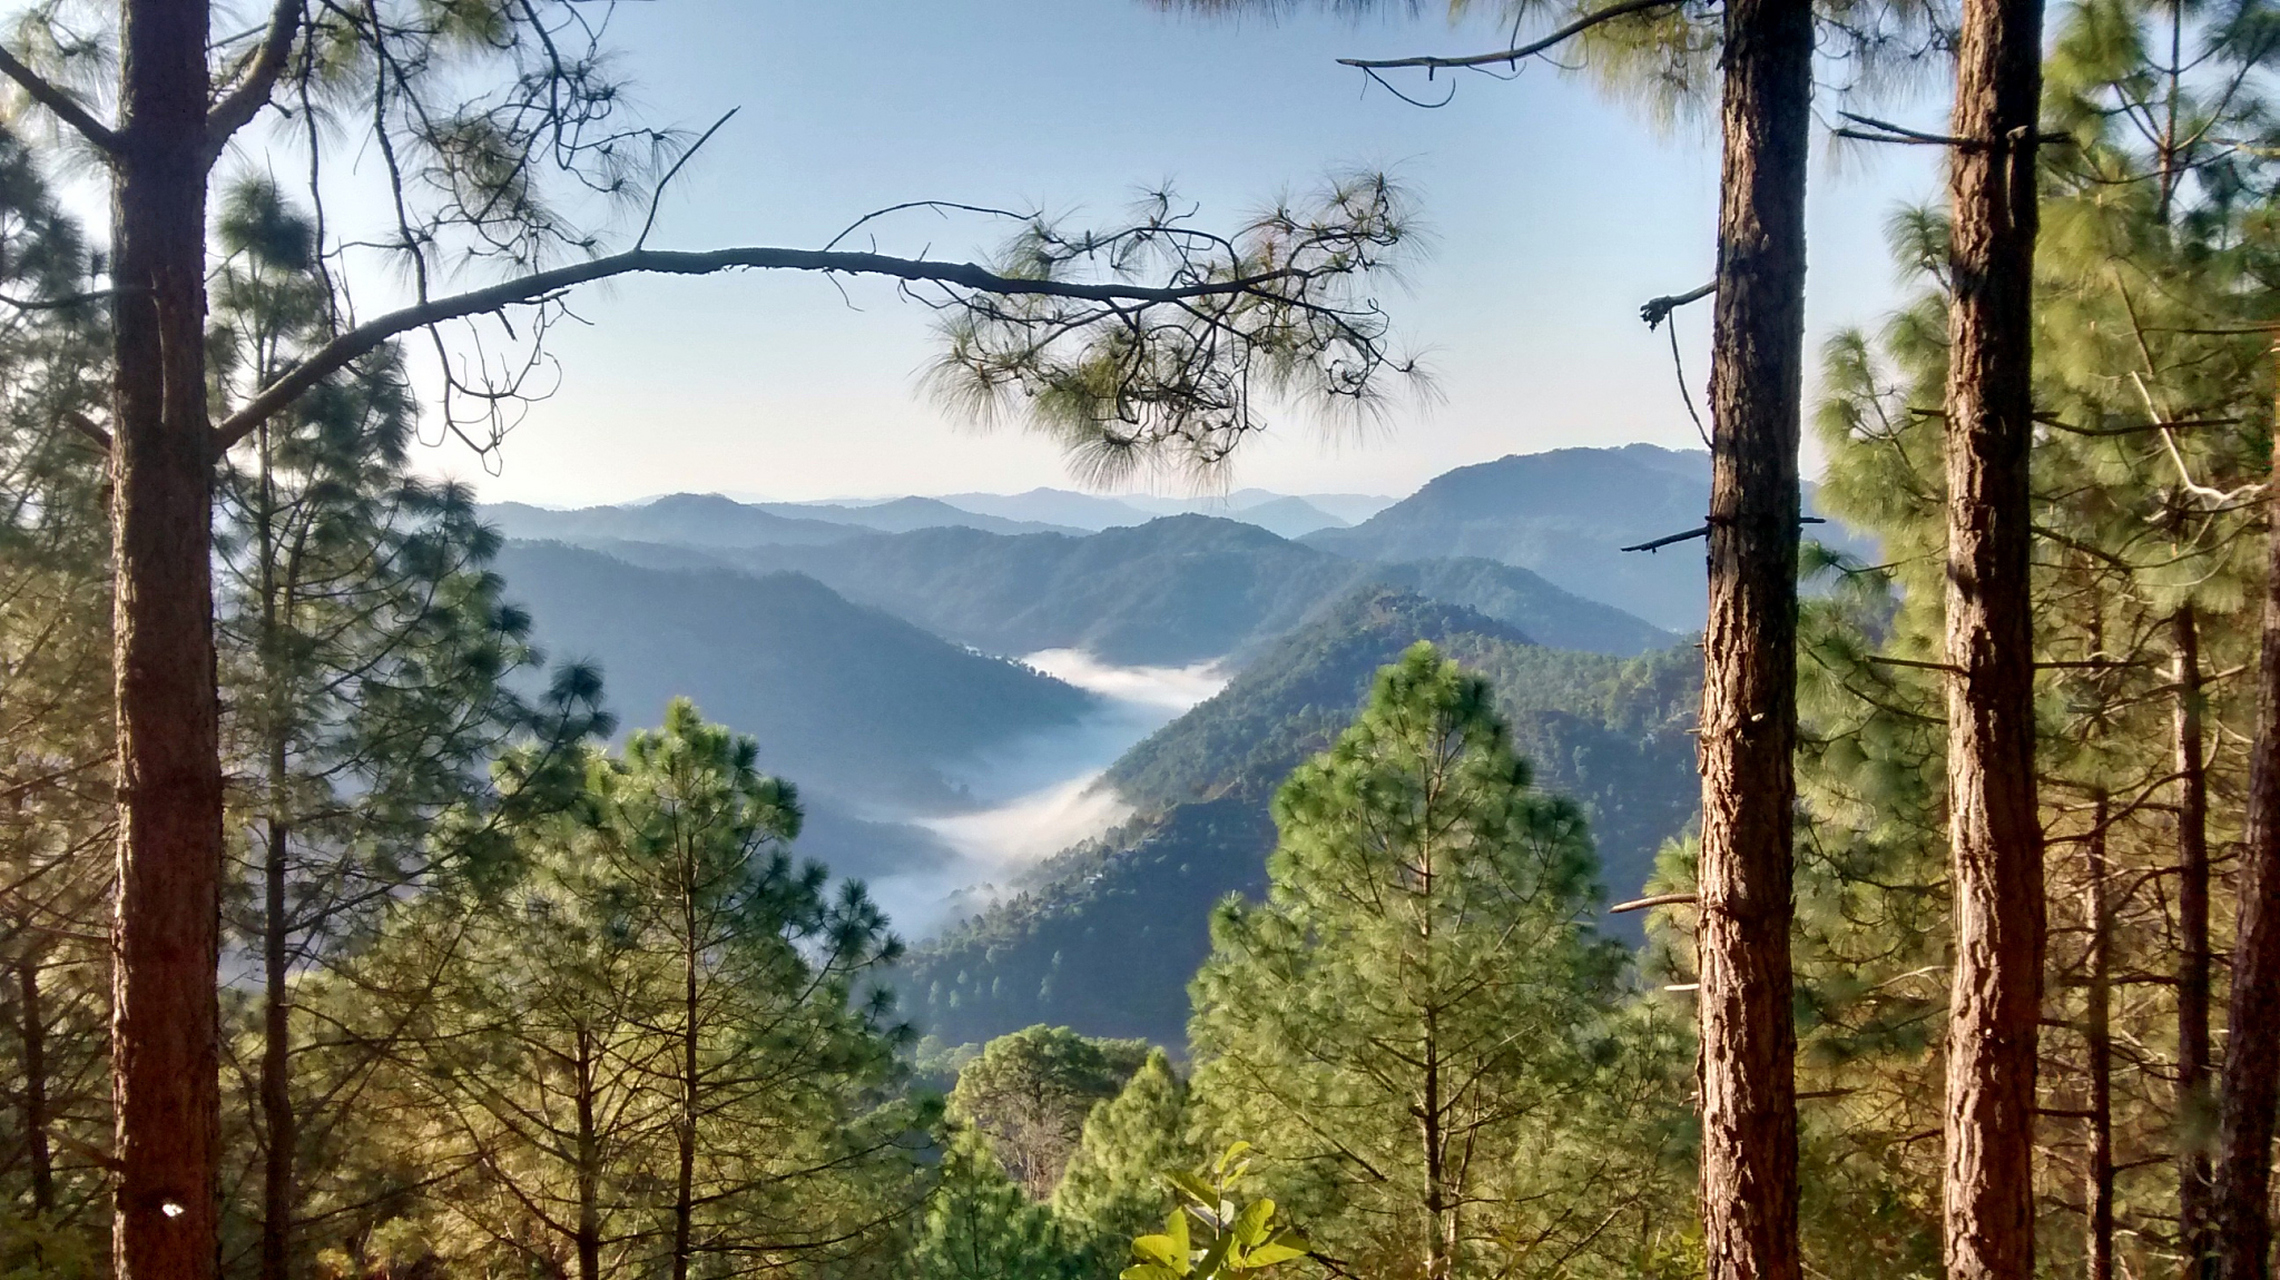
[(1656, 310), (545, 285), (1585, 23), (66, 108), (239, 106), (85, 426)]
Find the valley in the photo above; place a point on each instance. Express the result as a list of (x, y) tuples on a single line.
[(1044, 728)]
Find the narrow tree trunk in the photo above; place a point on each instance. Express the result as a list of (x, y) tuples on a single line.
[(2193, 1102), (277, 1115), (164, 1052), (1993, 828), (1749, 709), (1434, 1143), (278, 1120), (33, 1035), (2241, 1215), (2098, 1035), (589, 1171), (685, 1132)]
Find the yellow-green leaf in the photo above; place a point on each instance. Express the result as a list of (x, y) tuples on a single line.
[(1272, 1252), (1162, 1251), (1176, 1226), (1251, 1225), (1193, 1186)]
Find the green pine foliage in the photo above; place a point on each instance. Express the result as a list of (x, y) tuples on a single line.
[(1105, 936), (2156, 256), (1410, 1024), (1114, 1187), (980, 1225), (56, 785), (651, 1043), (1028, 1094)]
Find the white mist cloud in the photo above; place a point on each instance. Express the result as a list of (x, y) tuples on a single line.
[(1044, 793), (1173, 689), (1034, 826)]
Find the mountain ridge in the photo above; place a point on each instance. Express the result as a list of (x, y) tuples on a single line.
[(1104, 935)]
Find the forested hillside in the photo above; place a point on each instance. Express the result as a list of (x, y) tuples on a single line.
[(842, 698), (1103, 937), (1565, 514), (1175, 590), (686, 519), (1169, 590)]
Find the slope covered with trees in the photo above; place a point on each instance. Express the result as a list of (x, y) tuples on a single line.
[(684, 519), (1105, 936), (844, 698), (1175, 590)]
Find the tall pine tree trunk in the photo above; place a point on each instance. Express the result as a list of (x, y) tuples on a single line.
[(164, 1051), (276, 1052), (1433, 1140), (1749, 709), (278, 1120), (2098, 1036), (2193, 1101), (2241, 1215), (1993, 826), (685, 1126), (588, 1174)]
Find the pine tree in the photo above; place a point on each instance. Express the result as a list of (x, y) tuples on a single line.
[(637, 1041), (1029, 1093), (1407, 1022), (1114, 1187), (2151, 405), (55, 742), (980, 1225), (766, 1060), (368, 667)]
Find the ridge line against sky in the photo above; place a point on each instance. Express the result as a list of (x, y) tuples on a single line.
[(1554, 213)]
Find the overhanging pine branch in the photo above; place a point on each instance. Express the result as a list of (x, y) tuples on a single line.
[(242, 103), (1529, 50), (65, 107), (541, 286)]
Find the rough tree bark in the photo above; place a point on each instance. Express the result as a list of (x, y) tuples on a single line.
[(1993, 828), (2240, 1211), (1749, 709), (164, 1053), (2193, 1100), (2098, 1038)]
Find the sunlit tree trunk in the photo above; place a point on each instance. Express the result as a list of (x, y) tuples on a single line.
[(1994, 830), (164, 1051), (2098, 1035), (2193, 1100), (1749, 709), (2241, 1213)]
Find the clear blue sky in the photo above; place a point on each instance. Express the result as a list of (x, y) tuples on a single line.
[(1554, 214)]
